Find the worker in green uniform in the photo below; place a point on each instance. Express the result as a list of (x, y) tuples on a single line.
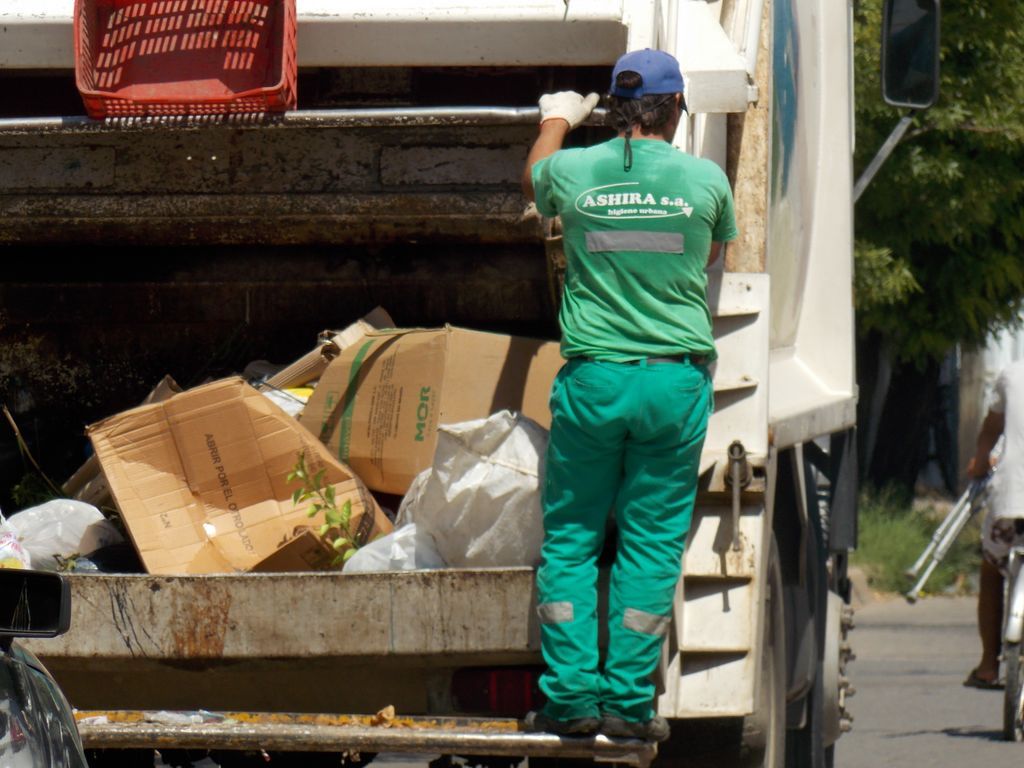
[(641, 222)]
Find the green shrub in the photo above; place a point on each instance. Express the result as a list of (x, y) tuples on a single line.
[(31, 490), (892, 535)]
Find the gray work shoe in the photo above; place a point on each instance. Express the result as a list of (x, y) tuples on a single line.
[(538, 722), (655, 729)]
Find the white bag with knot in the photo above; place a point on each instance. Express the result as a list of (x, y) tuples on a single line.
[(480, 500), (61, 528)]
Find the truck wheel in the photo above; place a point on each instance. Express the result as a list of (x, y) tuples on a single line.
[(1013, 701), (838, 655), (764, 732), (805, 747), (813, 746)]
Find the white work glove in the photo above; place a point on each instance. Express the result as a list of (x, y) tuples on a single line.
[(567, 105)]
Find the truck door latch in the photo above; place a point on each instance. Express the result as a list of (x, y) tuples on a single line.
[(738, 478)]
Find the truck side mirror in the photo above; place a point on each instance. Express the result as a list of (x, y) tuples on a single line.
[(910, 53), (33, 604)]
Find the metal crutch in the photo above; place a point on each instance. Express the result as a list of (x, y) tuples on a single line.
[(972, 500)]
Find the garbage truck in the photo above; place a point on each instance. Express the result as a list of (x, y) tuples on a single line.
[(140, 247)]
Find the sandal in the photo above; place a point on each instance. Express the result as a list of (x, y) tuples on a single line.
[(973, 681)]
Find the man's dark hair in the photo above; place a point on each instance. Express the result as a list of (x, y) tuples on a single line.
[(652, 112)]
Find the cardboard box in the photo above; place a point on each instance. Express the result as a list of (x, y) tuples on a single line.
[(378, 404), (304, 552), (89, 484), (311, 366), (201, 479)]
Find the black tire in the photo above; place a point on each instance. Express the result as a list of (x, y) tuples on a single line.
[(805, 748), (764, 732), (1013, 697), (805, 745)]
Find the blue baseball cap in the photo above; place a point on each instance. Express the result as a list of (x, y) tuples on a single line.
[(659, 73)]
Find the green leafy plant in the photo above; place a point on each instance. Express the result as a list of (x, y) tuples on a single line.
[(880, 279), (31, 490), (67, 564), (940, 229), (336, 529)]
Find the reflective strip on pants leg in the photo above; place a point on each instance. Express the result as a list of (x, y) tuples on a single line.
[(555, 613), (647, 623)]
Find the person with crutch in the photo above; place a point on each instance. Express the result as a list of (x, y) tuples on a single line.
[(1003, 526), (641, 221)]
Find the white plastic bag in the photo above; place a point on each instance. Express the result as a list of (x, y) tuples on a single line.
[(12, 554), (404, 549), (411, 501), (480, 500), (290, 402), (61, 528)]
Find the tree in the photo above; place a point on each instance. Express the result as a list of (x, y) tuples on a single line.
[(939, 230)]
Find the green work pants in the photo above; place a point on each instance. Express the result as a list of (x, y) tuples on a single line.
[(626, 436)]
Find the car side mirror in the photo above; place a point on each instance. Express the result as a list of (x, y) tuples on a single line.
[(910, 53), (33, 604)]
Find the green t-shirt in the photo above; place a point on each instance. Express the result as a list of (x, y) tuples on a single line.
[(637, 244)]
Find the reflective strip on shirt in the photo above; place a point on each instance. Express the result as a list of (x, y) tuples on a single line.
[(634, 240)]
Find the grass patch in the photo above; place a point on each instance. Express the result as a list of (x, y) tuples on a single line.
[(893, 533)]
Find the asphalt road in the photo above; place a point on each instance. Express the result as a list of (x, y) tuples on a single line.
[(910, 708)]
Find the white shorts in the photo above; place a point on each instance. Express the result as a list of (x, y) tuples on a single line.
[(998, 536)]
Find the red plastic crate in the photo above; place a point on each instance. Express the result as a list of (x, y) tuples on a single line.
[(136, 58)]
